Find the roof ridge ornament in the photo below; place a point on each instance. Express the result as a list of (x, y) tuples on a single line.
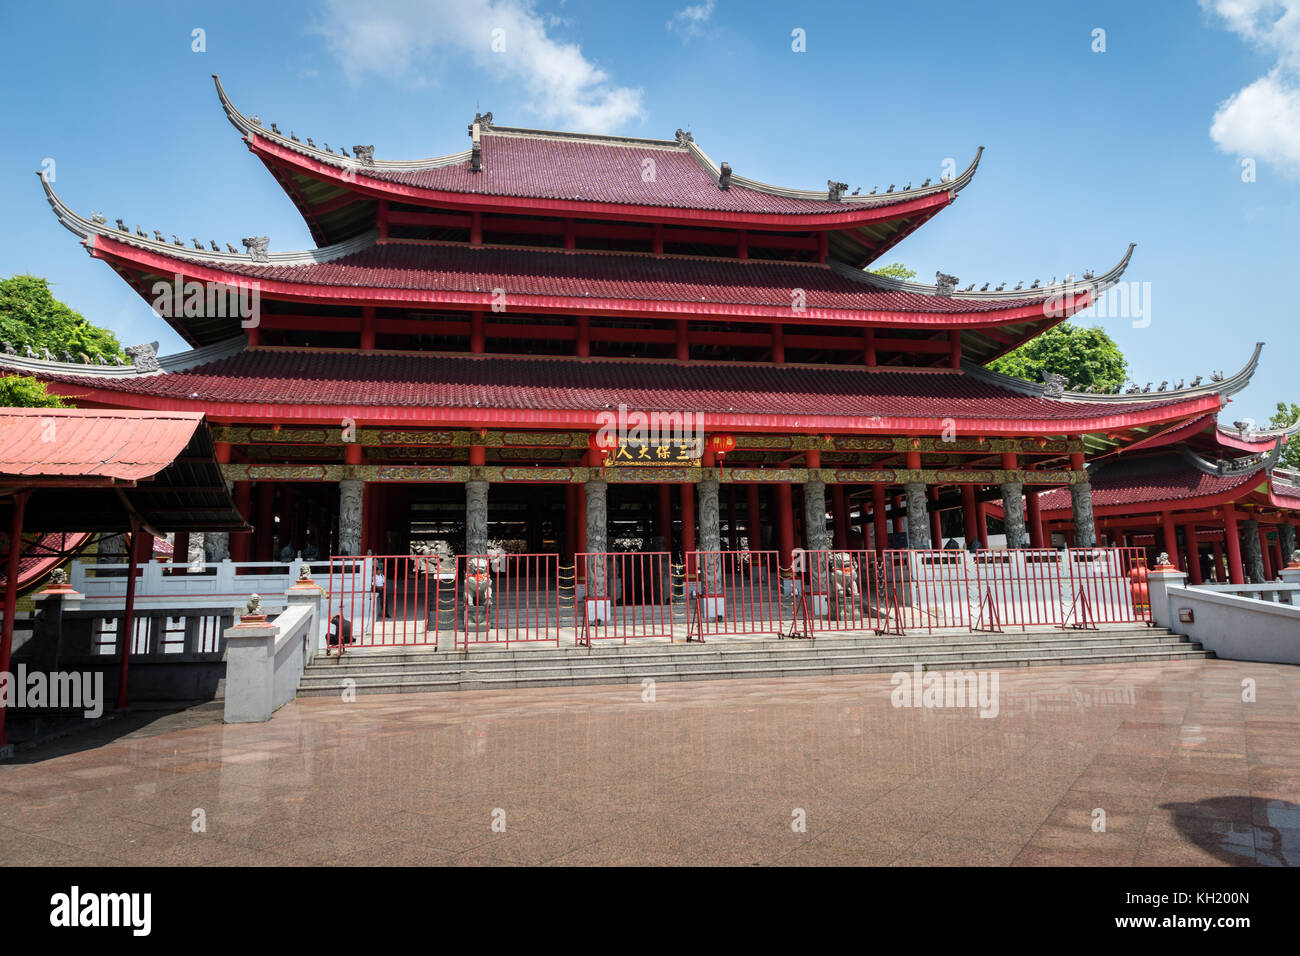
[(144, 357), (256, 246), (684, 138), (366, 154), (1053, 384), (724, 176), (944, 284), (835, 191)]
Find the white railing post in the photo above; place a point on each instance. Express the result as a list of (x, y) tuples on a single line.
[(308, 592), (1159, 580), (250, 667)]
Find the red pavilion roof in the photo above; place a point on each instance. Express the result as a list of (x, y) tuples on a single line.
[(286, 383)]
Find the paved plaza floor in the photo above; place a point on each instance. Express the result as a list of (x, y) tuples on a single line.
[(1184, 770)]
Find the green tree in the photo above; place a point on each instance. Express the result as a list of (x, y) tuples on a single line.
[(895, 270), (30, 315), (1087, 357), (1284, 417), (19, 391)]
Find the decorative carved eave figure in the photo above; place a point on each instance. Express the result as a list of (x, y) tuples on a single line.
[(944, 284), (684, 137), (256, 246), (366, 154), (1053, 385), (144, 357), (835, 191)]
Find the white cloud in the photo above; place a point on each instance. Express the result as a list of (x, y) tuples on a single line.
[(404, 39), (1262, 120), (690, 21)]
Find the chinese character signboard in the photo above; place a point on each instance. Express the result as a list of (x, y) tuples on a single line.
[(662, 452)]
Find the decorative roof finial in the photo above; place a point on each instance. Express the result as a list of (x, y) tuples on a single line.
[(144, 357), (1053, 385), (366, 154), (835, 191), (683, 137), (944, 284), (256, 246), (724, 177)]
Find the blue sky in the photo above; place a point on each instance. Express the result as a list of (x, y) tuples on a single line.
[(1086, 151)]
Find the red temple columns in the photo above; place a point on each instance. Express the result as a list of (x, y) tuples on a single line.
[(477, 332), (241, 545), (785, 522), (1233, 535), (936, 517), (840, 518), (970, 515), (582, 347), (1035, 520), (1170, 539), (666, 516), (778, 344), (1266, 552), (368, 327), (1193, 554), (881, 532), (11, 594)]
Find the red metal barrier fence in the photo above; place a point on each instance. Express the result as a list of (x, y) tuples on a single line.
[(459, 601), (628, 595), (468, 601)]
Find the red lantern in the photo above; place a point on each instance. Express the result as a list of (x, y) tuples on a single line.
[(720, 445)]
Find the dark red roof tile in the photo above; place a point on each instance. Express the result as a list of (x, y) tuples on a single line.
[(459, 268), (290, 376), (551, 167), (1140, 481)]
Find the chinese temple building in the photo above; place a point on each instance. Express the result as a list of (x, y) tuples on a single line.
[(452, 360)]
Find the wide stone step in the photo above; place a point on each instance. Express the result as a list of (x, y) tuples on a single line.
[(811, 668), (757, 645), (669, 665), (712, 654)]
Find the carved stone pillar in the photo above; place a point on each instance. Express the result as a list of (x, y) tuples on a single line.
[(814, 515), (710, 533), (597, 542), (918, 519), (1085, 529), (476, 517), (1254, 554), (112, 549), (1286, 534), (350, 494), (216, 546), (1013, 513)]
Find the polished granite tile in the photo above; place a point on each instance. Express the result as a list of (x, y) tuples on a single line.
[(711, 772)]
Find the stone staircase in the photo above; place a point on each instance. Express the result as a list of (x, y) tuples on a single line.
[(420, 670)]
